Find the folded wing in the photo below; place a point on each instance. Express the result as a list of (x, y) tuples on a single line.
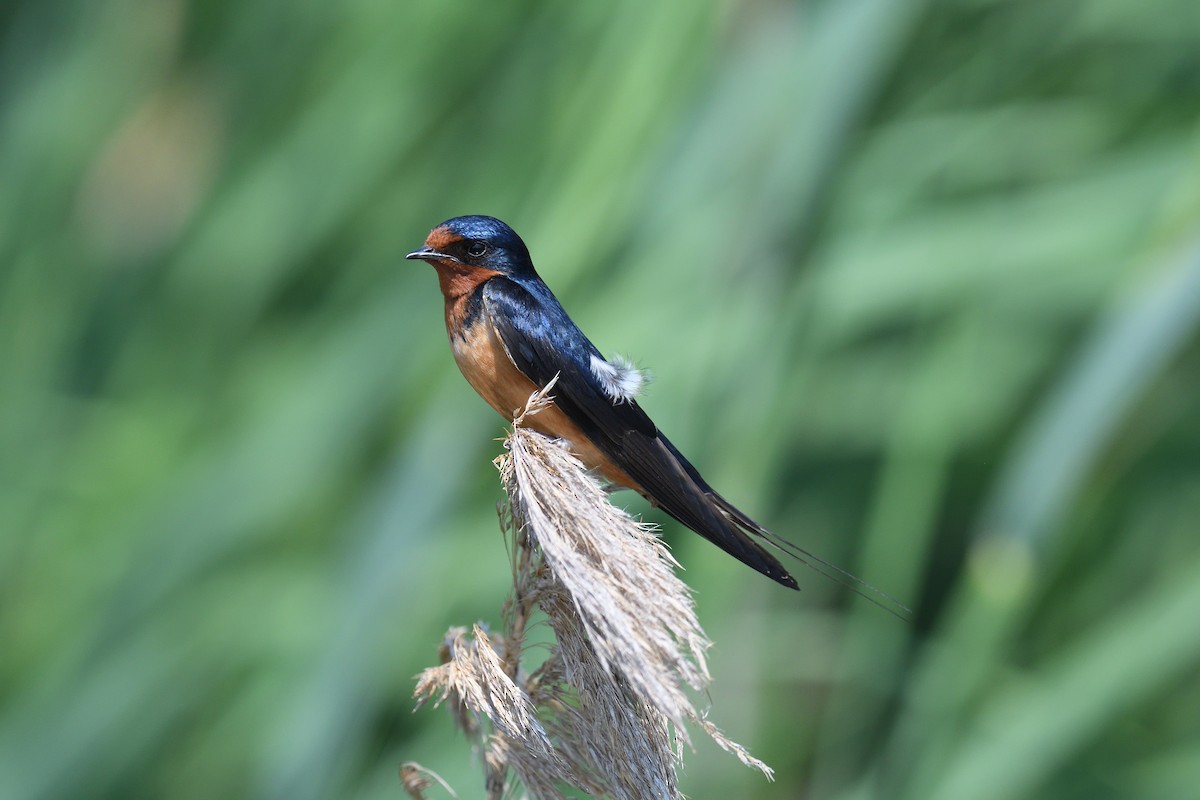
[(543, 342)]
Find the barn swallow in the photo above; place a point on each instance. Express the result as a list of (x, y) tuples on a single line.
[(511, 337)]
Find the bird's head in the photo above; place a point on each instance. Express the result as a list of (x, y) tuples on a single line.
[(475, 242)]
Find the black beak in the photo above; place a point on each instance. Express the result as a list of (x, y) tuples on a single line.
[(429, 254)]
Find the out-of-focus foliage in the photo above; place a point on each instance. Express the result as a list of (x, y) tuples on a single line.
[(920, 282)]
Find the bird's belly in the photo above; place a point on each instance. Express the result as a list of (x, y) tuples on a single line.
[(485, 364)]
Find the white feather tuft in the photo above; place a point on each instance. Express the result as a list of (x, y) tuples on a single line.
[(619, 378)]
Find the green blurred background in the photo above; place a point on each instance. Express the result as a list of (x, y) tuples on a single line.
[(919, 281)]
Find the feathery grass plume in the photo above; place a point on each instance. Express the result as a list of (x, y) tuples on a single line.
[(606, 712)]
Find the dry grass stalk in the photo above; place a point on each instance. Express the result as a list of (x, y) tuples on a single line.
[(606, 712), (416, 780)]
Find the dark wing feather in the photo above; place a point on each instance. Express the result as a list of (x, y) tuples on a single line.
[(544, 342)]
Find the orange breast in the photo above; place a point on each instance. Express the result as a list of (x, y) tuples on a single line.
[(485, 364)]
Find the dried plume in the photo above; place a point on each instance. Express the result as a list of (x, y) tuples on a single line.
[(607, 711)]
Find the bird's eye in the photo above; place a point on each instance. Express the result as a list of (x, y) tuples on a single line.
[(476, 249)]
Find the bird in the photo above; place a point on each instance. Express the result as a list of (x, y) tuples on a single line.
[(511, 336)]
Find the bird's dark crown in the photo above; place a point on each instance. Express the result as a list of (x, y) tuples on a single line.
[(478, 241)]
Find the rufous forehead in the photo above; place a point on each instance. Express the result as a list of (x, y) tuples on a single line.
[(441, 237)]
